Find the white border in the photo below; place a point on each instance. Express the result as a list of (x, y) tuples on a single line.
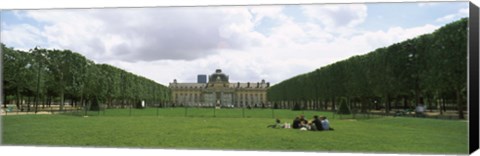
[(82, 151), (44, 4)]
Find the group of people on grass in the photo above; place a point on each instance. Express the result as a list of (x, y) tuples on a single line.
[(300, 122)]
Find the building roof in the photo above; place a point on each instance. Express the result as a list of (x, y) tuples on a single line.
[(252, 85), (218, 76), (187, 85), (249, 85)]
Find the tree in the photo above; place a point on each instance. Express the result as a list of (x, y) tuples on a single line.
[(451, 74), (343, 108), (428, 66), (42, 73)]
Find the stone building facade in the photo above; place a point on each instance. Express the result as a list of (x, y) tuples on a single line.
[(218, 91)]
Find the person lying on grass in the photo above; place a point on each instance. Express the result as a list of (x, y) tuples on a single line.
[(276, 125)]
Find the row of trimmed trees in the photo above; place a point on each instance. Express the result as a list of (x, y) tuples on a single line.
[(41, 77), (430, 69)]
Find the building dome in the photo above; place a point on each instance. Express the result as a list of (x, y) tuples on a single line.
[(218, 76)]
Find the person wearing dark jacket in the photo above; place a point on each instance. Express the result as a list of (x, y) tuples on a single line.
[(296, 123), (317, 124)]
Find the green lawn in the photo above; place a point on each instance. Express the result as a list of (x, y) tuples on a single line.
[(229, 130)]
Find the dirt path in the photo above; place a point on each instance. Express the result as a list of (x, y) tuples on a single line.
[(3, 113)]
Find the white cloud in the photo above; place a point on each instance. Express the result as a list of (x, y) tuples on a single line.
[(450, 17), (147, 33), (337, 15), (178, 43), (426, 4), (277, 63)]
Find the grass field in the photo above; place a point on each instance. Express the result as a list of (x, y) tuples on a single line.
[(230, 130)]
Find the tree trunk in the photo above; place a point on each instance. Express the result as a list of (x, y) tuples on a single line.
[(405, 103), (50, 99), (430, 103), (395, 105), (307, 104), (364, 104), (44, 101), (310, 104), (387, 107), (320, 104), (62, 100), (82, 98), (28, 104), (334, 104), (35, 103), (22, 102), (47, 102), (313, 104), (74, 103), (444, 105), (110, 102), (438, 105), (325, 104), (4, 101), (19, 102), (83, 103), (459, 105)]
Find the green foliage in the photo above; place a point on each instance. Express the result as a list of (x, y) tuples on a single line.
[(343, 108), (63, 75), (94, 105), (429, 66)]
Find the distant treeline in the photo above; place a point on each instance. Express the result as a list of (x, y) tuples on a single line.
[(429, 69), (41, 77)]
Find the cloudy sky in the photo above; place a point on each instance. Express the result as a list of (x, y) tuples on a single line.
[(249, 43)]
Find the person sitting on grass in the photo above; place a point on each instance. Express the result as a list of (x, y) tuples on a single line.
[(276, 125), (304, 125), (316, 124), (325, 123), (302, 118), (296, 123)]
